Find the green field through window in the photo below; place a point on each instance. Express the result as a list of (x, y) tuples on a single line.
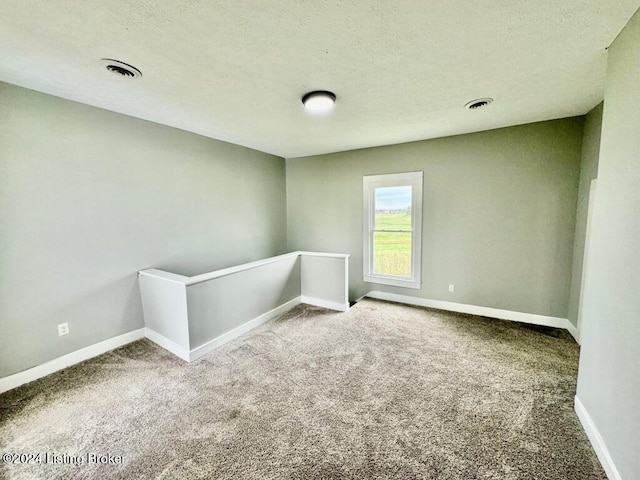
[(392, 250)]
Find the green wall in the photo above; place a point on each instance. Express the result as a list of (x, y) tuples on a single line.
[(609, 372), (89, 197), (498, 216), (588, 172)]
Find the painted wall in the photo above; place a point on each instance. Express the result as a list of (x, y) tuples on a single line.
[(219, 305), (498, 218), (609, 372), (588, 171), (89, 197)]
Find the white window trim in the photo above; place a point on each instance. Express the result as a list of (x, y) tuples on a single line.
[(369, 184)]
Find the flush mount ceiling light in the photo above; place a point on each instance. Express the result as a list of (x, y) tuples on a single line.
[(319, 101), (120, 68), (478, 103)]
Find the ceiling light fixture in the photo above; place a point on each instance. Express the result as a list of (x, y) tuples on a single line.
[(319, 101), (120, 68), (478, 103)]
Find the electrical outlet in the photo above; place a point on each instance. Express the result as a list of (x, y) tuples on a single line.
[(63, 329), (451, 288)]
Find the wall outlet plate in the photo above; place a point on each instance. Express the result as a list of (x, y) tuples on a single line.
[(63, 329), (451, 288)]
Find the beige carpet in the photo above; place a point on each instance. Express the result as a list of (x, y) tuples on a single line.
[(384, 391)]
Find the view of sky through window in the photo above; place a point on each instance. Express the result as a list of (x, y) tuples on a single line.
[(393, 198)]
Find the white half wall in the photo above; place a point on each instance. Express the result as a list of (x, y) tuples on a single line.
[(164, 303), (324, 280), (190, 316), (222, 304)]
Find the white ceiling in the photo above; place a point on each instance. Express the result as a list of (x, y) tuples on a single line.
[(235, 70)]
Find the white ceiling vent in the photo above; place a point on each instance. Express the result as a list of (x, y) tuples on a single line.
[(478, 103), (120, 68)]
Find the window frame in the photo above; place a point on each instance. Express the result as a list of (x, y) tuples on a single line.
[(369, 185)]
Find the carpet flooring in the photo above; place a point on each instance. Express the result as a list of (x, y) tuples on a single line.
[(384, 391)]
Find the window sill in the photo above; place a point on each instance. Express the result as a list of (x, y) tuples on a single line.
[(395, 282)]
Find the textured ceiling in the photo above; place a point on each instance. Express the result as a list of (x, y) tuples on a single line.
[(235, 70)]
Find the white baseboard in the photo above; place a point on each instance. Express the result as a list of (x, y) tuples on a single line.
[(318, 302), (596, 441), (360, 298), (245, 327), (167, 344), (573, 330), (534, 319), (13, 381)]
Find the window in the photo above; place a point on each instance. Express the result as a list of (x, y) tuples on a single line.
[(393, 229)]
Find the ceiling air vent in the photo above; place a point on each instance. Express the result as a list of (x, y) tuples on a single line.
[(120, 68), (478, 103)]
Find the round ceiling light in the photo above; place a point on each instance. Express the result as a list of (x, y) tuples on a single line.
[(319, 101), (478, 103)]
